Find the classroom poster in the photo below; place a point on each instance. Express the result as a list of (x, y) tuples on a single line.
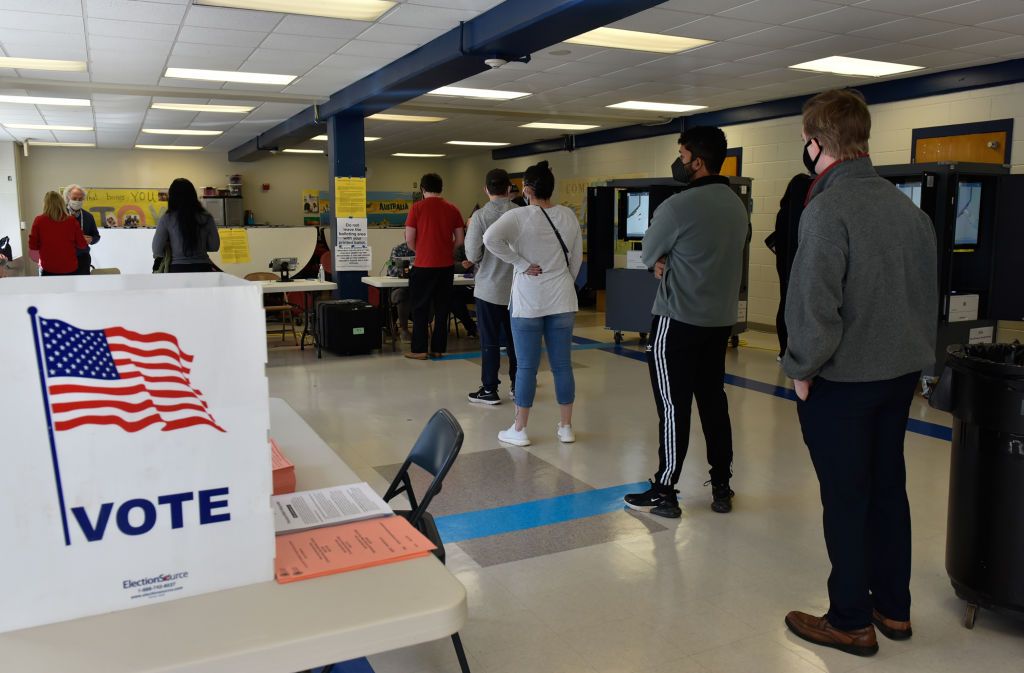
[(388, 209), (126, 208)]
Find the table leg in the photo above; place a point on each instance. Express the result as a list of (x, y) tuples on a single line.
[(310, 298), (385, 302)]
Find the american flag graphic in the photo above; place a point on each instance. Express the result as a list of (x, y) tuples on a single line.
[(115, 376)]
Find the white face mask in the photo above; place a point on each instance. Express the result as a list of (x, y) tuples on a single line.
[(74, 205)]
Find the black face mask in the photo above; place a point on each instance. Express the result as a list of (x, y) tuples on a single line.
[(681, 172), (810, 163)]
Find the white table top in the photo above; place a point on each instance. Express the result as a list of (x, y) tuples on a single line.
[(390, 283), (271, 286), (261, 628)]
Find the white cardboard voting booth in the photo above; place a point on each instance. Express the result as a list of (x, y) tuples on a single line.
[(135, 465)]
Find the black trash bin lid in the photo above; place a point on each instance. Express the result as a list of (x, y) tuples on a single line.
[(1003, 361)]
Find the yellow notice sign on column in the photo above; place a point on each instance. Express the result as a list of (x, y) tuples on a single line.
[(234, 246), (350, 197)]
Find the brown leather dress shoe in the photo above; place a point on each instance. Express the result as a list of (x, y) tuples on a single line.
[(890, 628), (437, 355), (817, 630), (416, 356)]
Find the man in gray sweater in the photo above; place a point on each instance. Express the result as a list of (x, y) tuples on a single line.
[(695, 245), (862, 312), (492, 291)]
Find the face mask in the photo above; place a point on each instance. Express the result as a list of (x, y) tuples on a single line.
[(75, 205), (809, 163), (681, 171)]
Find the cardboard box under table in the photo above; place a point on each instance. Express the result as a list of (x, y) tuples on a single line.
[(136, 465)]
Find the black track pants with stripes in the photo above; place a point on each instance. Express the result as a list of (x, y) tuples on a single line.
[(688, 362)]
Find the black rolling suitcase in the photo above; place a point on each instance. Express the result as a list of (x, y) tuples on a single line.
[(348, 327)]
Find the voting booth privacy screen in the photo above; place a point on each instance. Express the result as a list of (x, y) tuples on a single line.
[(136, 467)]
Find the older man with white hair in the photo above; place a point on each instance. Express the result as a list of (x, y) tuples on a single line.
[(75, 196)]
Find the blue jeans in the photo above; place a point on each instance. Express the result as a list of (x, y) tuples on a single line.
[(557, 332)]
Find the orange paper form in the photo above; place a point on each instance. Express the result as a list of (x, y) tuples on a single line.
[(350, 546), (284, 471)]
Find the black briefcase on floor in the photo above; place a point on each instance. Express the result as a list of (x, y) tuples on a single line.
[(348, 326)]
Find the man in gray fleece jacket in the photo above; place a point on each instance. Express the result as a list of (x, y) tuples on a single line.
[(862, 313), (492, 291), (695, 244)]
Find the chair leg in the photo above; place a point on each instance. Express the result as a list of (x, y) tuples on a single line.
[(291, 321), (460, 653)]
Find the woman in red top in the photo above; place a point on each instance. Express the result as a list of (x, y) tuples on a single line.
[(57, 237)]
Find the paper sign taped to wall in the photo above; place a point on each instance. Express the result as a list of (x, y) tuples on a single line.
[(352, 258), (350, 197), (234, 246), (352, 231)]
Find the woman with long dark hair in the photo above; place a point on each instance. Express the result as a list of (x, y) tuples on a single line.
[(187, 229)]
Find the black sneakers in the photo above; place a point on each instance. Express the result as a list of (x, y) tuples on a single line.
[(722, 497), (658, 500), (484, 396)]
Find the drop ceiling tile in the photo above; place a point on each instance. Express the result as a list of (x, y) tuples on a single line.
[(16, 39), (475, 5), (1003, 48), (380, 50), (845, 20), (303, 26), (282, 62), (233, 19), (781, 37), (702, 6), (315, 45), (103, 29), (963, 36), (717, 28), (727, 51), (348, 62), (894, 53), (422, 16), (67, 7), (979, 11), (69, 51), (1013, 24), (129, 51), (189, 62), (58, 76), (908, 7), (128, 10), (221, 36), (400, 34), (777, 11), (218, 55), (618, 58), (125, 73), (780, 58), (834, 45), (50, 23), (947, 59), (655, 20), (905, 29), (735, 69)]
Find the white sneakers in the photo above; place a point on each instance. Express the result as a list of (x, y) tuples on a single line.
[(519, 437), (514, 437), (565, 434)]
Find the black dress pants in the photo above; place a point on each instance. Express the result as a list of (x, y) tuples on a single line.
[(855, 434), (430, 292), (687, 362)]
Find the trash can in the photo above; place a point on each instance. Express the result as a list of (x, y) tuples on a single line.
[(985, 525)]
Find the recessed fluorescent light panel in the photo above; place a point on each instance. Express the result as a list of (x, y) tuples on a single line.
[(168, 147), (46, 143), (844, 65), (385, 117), (416, 156), (303, 151), (230, 76), (42, 100), (47, 127), (354, 10), (366, 139), (558, 127), (42, 64), (485, 94), (182, 132), (476, 143), (655, 107), (616, 38), (196, 107)]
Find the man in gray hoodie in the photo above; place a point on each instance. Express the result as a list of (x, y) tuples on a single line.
[(862, 312), (493, 290), (695, 245)]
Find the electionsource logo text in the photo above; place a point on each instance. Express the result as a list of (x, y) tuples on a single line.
[(156, 579)]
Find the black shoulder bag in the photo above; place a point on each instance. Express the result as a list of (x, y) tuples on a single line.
[(565, 250)]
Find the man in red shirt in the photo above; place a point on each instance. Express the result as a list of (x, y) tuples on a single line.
[(433, 230)]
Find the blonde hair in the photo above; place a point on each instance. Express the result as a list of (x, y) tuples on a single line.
[(840, 121), (54, 207)]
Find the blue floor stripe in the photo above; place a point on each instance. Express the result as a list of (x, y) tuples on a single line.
[(534, 514), (914, 425)]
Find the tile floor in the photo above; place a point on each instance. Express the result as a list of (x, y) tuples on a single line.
[(618, 592)]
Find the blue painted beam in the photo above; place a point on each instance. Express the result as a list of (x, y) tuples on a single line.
[(510, 30), (889, 91)]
